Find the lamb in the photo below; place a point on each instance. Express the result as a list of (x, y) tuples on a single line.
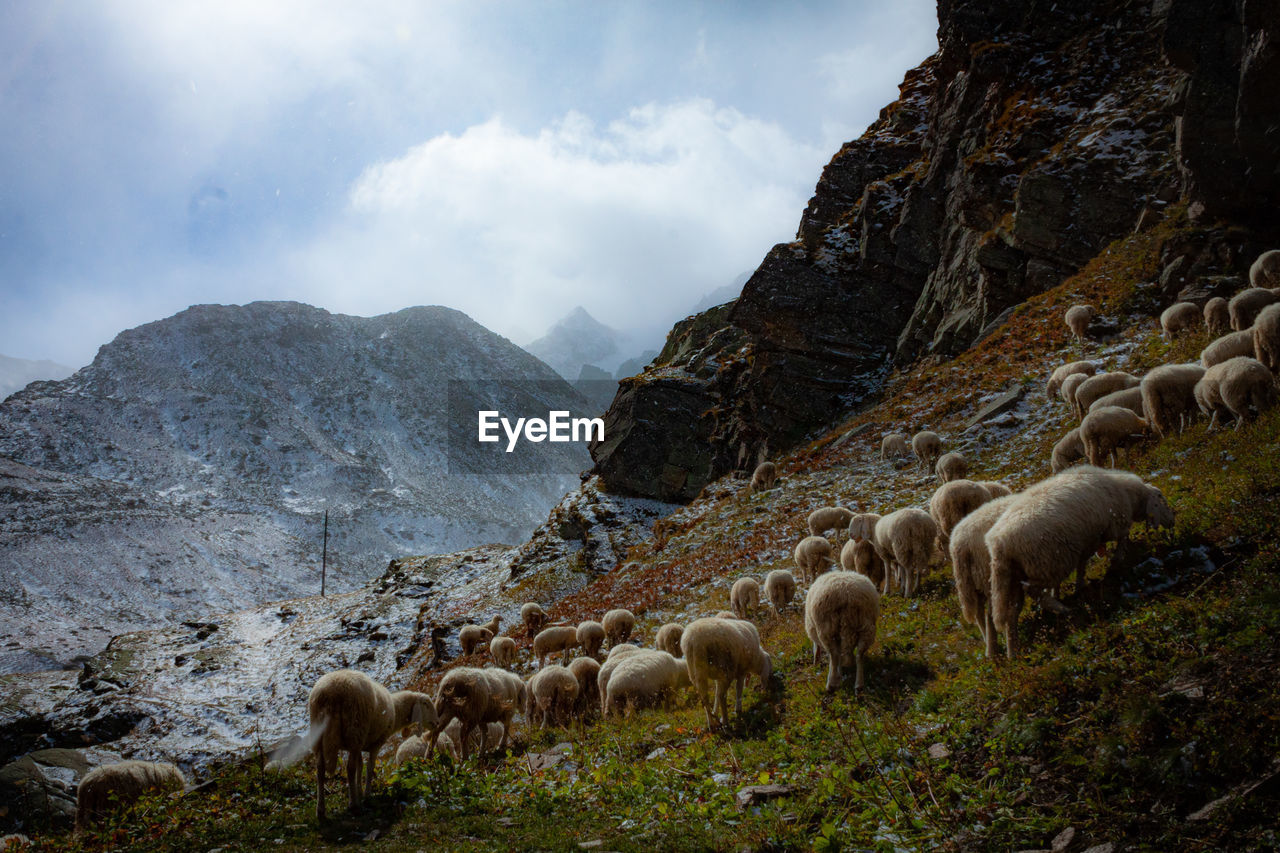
[(779, 588), (745, 597), (1100, 386), (1265, 270), (492, 626), (1059, 375), (591, 636), (1068, 390), (472, 637), (551, 692), (971, 566), (1168, 396), (644, 680), (723, 651), (812, 557), (1129, 398), (1054, 527), (952, 502), (1179, 317), (951, 466), (411, 747), (1077, 319), (906, 541), (763, 478), (827, 518), (586, 670), (350, 712), (840, 616), (1228, 346), (117, 786), (558, 638), (668, 639), (618, 625), (1106, 430), (477, 697), (1217, 316), (1246, 304), (1068, 451), (503, 650), (995, 488), (927, 447), (1266, 337), (1234, 387), (533, 617), (893, 445)]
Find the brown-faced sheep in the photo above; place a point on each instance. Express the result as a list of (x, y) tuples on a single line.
[(668, 638), (533, 617), (642, 681), (1068, 451), (971, 566), (894, 445), (840, 616), (558, 638), (1106, 430), (618, 625), (1100, 386), (1236, 387), (907, 542), (1266, 337), (952, 502), (1168, 396), (586, 670), (779, 588), (1217, 316), (1129, 398), (951, 466), (503, 650), (1228, 346), (828, 518), (1246, 304), (1060, 374), (1265, 270), (118, 786), (477, 697), (551, 693), (472, 637), (591, 637), (1078, 318), (352, 713), (763, 478), (927, 446), (1054, 527), (723, 652), (1180, 317), (744, 598), (812, 557)]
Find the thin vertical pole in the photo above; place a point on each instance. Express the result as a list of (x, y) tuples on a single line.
[(324, 554)]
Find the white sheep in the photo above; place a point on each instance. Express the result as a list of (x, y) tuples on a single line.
[(1265, 270), (1168, 396), (723, 652), (533, 617), (1100, 386), (586, 670), (953, 501), (828, 518), (863, 525), (927, 446), (411, 747), (744, 598), (350, 712), (1106, 430), (1129, 398), (616, 656), (1235, 387), (951, 466), (995, 488), (1054, 527), (1246, 304), (971, 566), (1266, 337), (590, 636), (859, 555), (551, 692), (1180, 317), (622, 650), (894, 445), (504, 651), (1067, 393), (668, 638), (779, 588), (482, 739), (644, 680), (1228, 346), (472, 637), (1059, 375), (813, 557), (1217, 316), (763, 478), (118, 786), (477, 697), (840, 616), (1078, 318), (1068, 451), (618, 624), (907, 542), (557, 638)]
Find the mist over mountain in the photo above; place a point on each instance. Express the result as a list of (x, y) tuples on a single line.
[(18, 373)]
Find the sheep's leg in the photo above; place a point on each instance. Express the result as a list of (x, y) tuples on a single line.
[(991, 630), (464, 735), (816, 649), (833, 667), (857, 684), (1011, 640), (737, 705), (506, 728), (320, 784), (355, 758), (368, 769), (722, 700)]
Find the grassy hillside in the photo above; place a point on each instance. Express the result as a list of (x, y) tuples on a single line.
[(1153, 698)]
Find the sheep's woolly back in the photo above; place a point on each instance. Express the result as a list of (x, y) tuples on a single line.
[(779, 588), (554, 639), (840, 615), (503, 650), (1266, 337), (1217, 316), (411, 747), (590, 637), (351, 712), (927, 446), (908, 538), (533, 617), (995, 488), (552, 692), (478, 695), (1069, 387), (668, 638), (721, 651), (765, 475), (1077, 319), (1104, 430), (894, 444), (812, 556), (1100, 386), (1068, 451), (472, 637), (867, 562), (745, 596), (1265, 270), (643, 680), (970, 562), (612, 662), (1246, 304), (828, 518), (1228, 346), (586, 671), (618, 625), (118, 786), (1168, 395), (1059, 375), (1129, 398), (622, 650), (954, 500), (1179, 317), (951, 466), (1237, 386)]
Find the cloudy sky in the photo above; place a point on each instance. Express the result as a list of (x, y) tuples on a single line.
[(511, 160)]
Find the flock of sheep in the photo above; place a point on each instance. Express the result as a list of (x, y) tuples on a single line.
[(1004, 548)]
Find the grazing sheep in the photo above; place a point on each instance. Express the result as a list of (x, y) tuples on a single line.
[(1168, 396), (1077, 319), (828, 518), (907, 542), (927, 446), (118, 786), (867, 562), (1104, 431), (1129, 398), (1246, 304), (586, 670), (779, 588), (1054, 527), (1235, 387), (1059, 375), (1228, 346), (971, 566), (1266, 337), (622, 650), (411, 747), (745, 597), (642, 681), (591, 637), (1217, 316), (863, 525), (951, 466), (1068, 390), (558, 638), (952, 502), (350, 712), (668, 639), (893, 445), (1265, 270), (482, 739), (626, 650), (1068, 451), (503, 651), (472, 637), (995, 488), (551, 692), (1100, 386), (477, 697), (723, 651), (763, 478), (840, 616), (533, 617), (618, 625), (812, 557), (1179, 317)]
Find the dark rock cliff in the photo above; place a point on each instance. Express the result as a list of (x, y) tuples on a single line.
[(1038, 133)]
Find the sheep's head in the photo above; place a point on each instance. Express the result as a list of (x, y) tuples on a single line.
[(414, 711), (1156, 510), (764, 668)]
